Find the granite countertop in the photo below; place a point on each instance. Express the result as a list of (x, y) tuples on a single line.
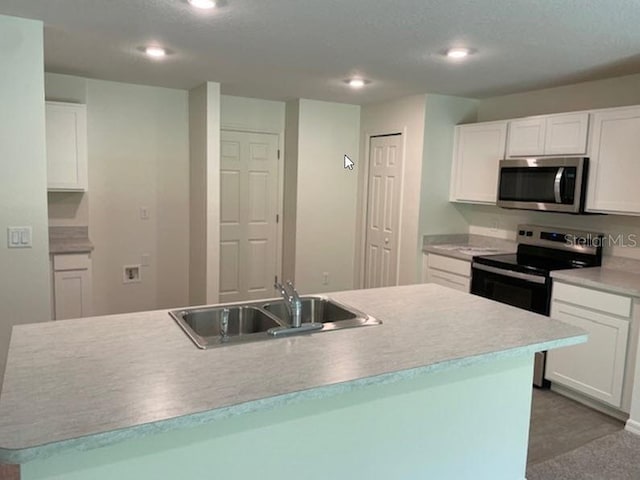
[(86, 383), (605, 278), (69, 240), (466, 246)]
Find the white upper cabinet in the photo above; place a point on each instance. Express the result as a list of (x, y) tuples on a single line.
[(564, 134), (478, 148), (614, 163), (66, 125), (567, 134), (526, 137)]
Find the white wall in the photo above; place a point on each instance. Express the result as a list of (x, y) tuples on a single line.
[(406, 116), (290, 190), (437, 214), (204, 141), (612, 92), (24, 283), (326, 195), (138, 157), (252, 114), (583, 96)]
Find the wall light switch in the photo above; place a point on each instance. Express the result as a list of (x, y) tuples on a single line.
[(19, 237), (144, 213)]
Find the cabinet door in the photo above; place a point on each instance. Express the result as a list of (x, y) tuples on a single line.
[(566, 134), (474, 173), (448, 272), (72, 294), (526, 137), (462, 284), (66, 126), (615, 162), (595, 368)]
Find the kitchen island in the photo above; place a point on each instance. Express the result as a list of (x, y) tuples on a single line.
[(442, 389)]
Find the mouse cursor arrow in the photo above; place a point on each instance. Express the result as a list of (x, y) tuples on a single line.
[(348, 163)]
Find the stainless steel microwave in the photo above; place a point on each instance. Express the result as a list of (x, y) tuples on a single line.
[(548, 184)]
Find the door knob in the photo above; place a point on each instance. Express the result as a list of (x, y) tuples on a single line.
[(386, 240)]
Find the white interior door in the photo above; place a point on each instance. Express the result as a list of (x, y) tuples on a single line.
[(248, 215), (383, 211)]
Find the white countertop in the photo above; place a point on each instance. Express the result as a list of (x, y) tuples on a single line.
[(603, 278), (80, 384), (466, 246), (65, 240)]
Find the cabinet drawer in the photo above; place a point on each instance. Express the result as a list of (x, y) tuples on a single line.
[(451, 265), (74, 261), (588, 298), (450, 280)]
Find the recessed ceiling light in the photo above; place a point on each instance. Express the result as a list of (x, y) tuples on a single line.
[(202, 4), (356, 82), (458, 52), (155, 52)]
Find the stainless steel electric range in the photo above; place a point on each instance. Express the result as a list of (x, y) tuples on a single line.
[(523, 279)]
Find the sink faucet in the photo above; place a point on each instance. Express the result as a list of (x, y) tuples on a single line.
[(292, 301)]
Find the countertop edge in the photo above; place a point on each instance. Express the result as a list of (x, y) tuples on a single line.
[(68, 250), (103, 439)]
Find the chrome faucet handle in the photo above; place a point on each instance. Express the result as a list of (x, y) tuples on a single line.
[(296, 306), (294, 292), (224, 326), (281, 289)]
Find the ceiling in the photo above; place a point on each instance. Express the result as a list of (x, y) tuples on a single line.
[(282, 49)]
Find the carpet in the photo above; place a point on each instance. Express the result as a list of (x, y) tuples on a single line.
[(614, 457)]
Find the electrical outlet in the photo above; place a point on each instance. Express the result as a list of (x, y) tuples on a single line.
[(325, 278), (495, 224), (132, 274)]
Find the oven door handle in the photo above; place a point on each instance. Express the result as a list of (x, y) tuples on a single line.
[(510, 273), (556, 185)]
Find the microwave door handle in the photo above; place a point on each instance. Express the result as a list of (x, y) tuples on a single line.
[(557, 183)]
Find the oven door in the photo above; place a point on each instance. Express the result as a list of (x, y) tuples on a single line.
[(523, 290)]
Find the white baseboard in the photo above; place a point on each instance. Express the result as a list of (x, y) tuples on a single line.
[(633, 427), (589, 402)]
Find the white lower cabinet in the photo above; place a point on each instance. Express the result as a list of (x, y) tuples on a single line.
[(72, 292), (595, 368), (447, 271)]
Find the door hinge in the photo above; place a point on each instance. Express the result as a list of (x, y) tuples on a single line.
[(277, 218), (276, 279), (278, 154)]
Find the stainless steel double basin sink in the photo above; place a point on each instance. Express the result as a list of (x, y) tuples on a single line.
[(232, 324)]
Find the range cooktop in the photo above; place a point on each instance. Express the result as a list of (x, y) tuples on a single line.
[(544, 249)]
